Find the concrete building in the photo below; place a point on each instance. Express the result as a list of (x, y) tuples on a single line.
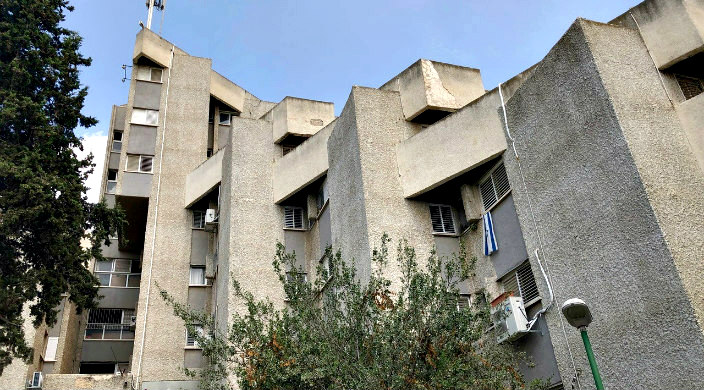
[(591, 163)]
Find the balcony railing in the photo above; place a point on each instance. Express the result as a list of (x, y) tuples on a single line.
[(109, 332)]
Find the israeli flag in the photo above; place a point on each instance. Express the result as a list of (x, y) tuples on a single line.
[(489, 237)]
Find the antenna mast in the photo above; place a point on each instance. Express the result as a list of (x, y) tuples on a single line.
[(159, 5)]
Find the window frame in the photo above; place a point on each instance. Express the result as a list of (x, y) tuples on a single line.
[(514, 274), (108, 182), (112, 327), (229, 118), (140, 163), (190, 276), (201, 225), (127, 274), (303, 218), (146, 111), (490, 176), (112, 147), (151, 70), (194, 345), (452, 216)]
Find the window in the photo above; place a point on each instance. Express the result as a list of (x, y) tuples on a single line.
[(111, 182), (495, 187), (116, 141), (50, 352), (225, 118), (198, 219), (149, 74), (209, 152), (323, 195), (139, 163), (293, 217), (110, 324), (521, 283), (690, 86), (463, 302), (286, 149), (118, 273), (191, 337), (197, 277), (145, 117), (441, 218)]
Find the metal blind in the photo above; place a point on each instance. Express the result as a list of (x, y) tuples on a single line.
[(522, 283), (145, 164), (293, 217), (690, 86), (494, 187), (463, 301), (191, 337), (441, 218)]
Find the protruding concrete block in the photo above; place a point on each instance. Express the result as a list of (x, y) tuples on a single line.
[(226, 91), (300, 117), (430, 90)]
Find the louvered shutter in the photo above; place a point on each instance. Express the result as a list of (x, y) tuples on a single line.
[(495, 187), (690, 86), (145, 164), (441, 218), (293, 217), (526, 282)]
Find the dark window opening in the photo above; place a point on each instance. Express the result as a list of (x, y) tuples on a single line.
[(97, 368), (690, 86)]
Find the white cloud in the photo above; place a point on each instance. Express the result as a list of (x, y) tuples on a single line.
[(94, 143)]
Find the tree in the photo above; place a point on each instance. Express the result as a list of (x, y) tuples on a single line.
[(44, 215), (336, 332)]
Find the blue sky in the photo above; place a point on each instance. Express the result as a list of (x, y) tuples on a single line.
[(318, 49)]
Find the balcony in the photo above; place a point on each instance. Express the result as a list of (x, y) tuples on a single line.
[(109, 332)]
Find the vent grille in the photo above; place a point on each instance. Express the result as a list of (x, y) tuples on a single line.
[(495, 187), (293, 217), (441, 218), (690, 86)]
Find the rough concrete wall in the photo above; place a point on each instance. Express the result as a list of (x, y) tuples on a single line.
[(380, 126), (15, 375), (184, 143), (221, 285), (691, 114), (347, 209), (68, 340), (256, 223), (83, 381), (601, 240), (448, 148), (659, 147)]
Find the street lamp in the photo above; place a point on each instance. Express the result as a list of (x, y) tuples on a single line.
[(578, 315)]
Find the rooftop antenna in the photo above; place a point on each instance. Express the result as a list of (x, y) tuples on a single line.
[(159, 5)]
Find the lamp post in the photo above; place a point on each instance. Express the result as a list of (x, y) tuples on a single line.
[(578, 315)]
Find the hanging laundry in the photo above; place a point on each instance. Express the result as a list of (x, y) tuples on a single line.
[(490, 245)]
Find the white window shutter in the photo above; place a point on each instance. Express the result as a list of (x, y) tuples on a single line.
[(494, 187), (441, 218), (293, 217), (51, 345)]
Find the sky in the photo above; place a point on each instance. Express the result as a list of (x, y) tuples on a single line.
[(319, 49)]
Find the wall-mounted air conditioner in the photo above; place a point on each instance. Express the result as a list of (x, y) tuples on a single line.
[(211, 219), (510, 319), (36, 382)]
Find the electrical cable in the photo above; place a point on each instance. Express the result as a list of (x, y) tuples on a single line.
[(537, 232)]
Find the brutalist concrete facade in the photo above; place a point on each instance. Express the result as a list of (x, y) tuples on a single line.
[(601, 143)]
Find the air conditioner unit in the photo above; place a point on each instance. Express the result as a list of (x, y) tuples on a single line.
[(211, 219), (36, 382), (510, 319), (133, 320)]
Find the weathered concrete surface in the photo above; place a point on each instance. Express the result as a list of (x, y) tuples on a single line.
[(226, 91), (150, 45), (661, 150), (255, 222), (135, 184), (593, 204), (142, 140), (302, 117), (86, 381), (452, 146), (184, 145), (691, 115), (435, 85), (203, 179), (302, 166), (672, 29)]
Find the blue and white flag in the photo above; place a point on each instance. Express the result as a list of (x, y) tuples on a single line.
[(489, 237)]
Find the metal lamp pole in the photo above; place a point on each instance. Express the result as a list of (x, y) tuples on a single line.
[(578, 315)]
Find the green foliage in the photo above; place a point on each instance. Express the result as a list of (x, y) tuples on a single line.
[(337, 332), (43, 214)]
